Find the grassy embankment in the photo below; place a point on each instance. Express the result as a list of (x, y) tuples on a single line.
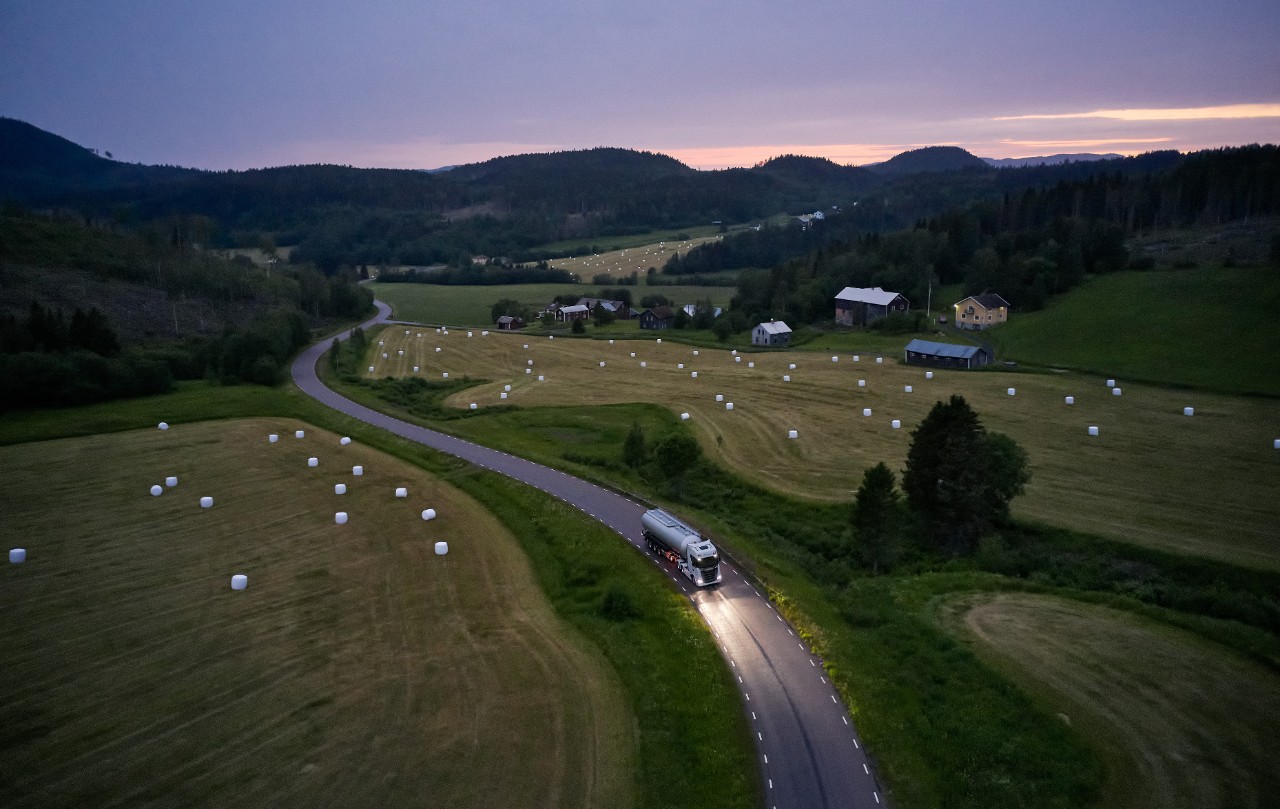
[(560, 543)]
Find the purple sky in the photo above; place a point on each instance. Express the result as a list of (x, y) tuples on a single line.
[(238, 84)]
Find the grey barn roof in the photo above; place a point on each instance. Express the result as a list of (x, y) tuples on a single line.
[(942, 349)]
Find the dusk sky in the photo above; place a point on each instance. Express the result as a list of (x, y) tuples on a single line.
[(237, 84)]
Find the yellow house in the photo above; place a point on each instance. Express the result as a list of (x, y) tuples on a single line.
[(981, 311)]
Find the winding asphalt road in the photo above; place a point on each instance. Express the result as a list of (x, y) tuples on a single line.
[(810, 755)]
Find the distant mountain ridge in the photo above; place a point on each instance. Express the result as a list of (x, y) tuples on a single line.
[(928, 159), (1048, 160)]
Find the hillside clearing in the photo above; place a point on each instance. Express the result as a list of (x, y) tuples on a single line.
[(358, 668), (1202, 485), (1180, 722)]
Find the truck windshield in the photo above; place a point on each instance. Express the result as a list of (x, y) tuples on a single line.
[(707, 562)]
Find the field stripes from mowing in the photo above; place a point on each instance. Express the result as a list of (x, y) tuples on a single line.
[(358, 668)]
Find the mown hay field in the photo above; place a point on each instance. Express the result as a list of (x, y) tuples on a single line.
[(1180, 721), (638, 259), (358, 668), (1203, 484)]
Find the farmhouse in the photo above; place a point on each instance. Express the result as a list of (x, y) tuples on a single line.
[(947, 355), (659, 317), (575, 312), (618, 308), (981, 311), (856, 306), (773, 333), (507, 323)]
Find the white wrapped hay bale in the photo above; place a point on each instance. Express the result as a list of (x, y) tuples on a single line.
[(693, 374), (400, 353), (751, 364), (507, 388), (339, 488), (530, 362), (340, 518), (381, 343), (484, 334), (528, 370), (444, 375), (633, 355), (601, 363), (791, 367), (644, 364), (1012, 391), (1115, 391), (468, 334), (719, 397), (313, 462), (171, 481), (1111, 383), (415, 369), (866, 411), (737, 359), (370, 369), (206, 502), (928, 374), (728, 405), (502, 395), (734, 352), (437, 349), (695, 352), (1069, 399), (299, 433), (896, 424), (1188, 411), (857, 358), (475, 406), (17, 556), (684, 416), (273, 438), (429, 514), (526, 346), (163, 425), (835, 359), (157, 490), (357, 470), (786, 377), (906, 388), (402, 491), (862, 383), (442, 548), (384, 355), (1275, 444), (344, 440), (879, 360), (541, 378), (552, 337), (793, 433), (239, 581), (1093, 429), (659, 339), (610, 342)]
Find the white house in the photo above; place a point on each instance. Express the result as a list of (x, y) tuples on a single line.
[(773, 333)]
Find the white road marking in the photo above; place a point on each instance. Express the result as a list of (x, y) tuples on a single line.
[(811, 663), (877, 796), (846, 719), (753, 719), (864, 769), (766, 758), (789, 632), (770, 783), (833, 699), (824, 679), (761, 737), (855, 744)]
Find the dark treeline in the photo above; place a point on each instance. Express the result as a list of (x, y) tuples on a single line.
[(481, 275), (1026, 246)]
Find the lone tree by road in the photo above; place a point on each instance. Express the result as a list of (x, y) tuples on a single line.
[(960, 477), (877, 513)]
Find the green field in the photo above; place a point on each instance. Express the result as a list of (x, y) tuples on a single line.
[(623, 261), (470, 305), (1203, 328), (1180, 721), (1202, 485), (358, 667)]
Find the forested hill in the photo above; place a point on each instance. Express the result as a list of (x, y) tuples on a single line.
[(509, 206)]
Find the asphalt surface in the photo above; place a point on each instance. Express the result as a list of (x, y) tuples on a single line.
[(809, 754)]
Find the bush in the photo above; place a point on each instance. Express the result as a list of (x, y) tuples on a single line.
[(617, 604)]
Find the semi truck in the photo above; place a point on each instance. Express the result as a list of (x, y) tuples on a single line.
[(669, 538)]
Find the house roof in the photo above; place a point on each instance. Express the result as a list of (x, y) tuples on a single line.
[(691, 309), (573, 310), (662, 312), (943, 349), (874, 295), (507, 319), (775, 327), (987, 300)]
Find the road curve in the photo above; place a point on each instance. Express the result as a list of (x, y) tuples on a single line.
[(809, 754)]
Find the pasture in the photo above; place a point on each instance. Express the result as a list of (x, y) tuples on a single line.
[(1201, 484), (1205, 328), (622, 262), (1179, 721), (358, 668), (470, 305)]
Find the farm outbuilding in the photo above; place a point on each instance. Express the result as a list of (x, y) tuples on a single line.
[(857, 306), (983, 311), (773, 333), (659, 317), (508, 323), (575, 312), (947, 355)]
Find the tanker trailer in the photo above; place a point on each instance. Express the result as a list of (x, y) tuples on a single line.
[(668, 537)]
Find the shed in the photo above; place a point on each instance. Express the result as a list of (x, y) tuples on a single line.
[(773, 333), (947, 355), (508, 322)]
